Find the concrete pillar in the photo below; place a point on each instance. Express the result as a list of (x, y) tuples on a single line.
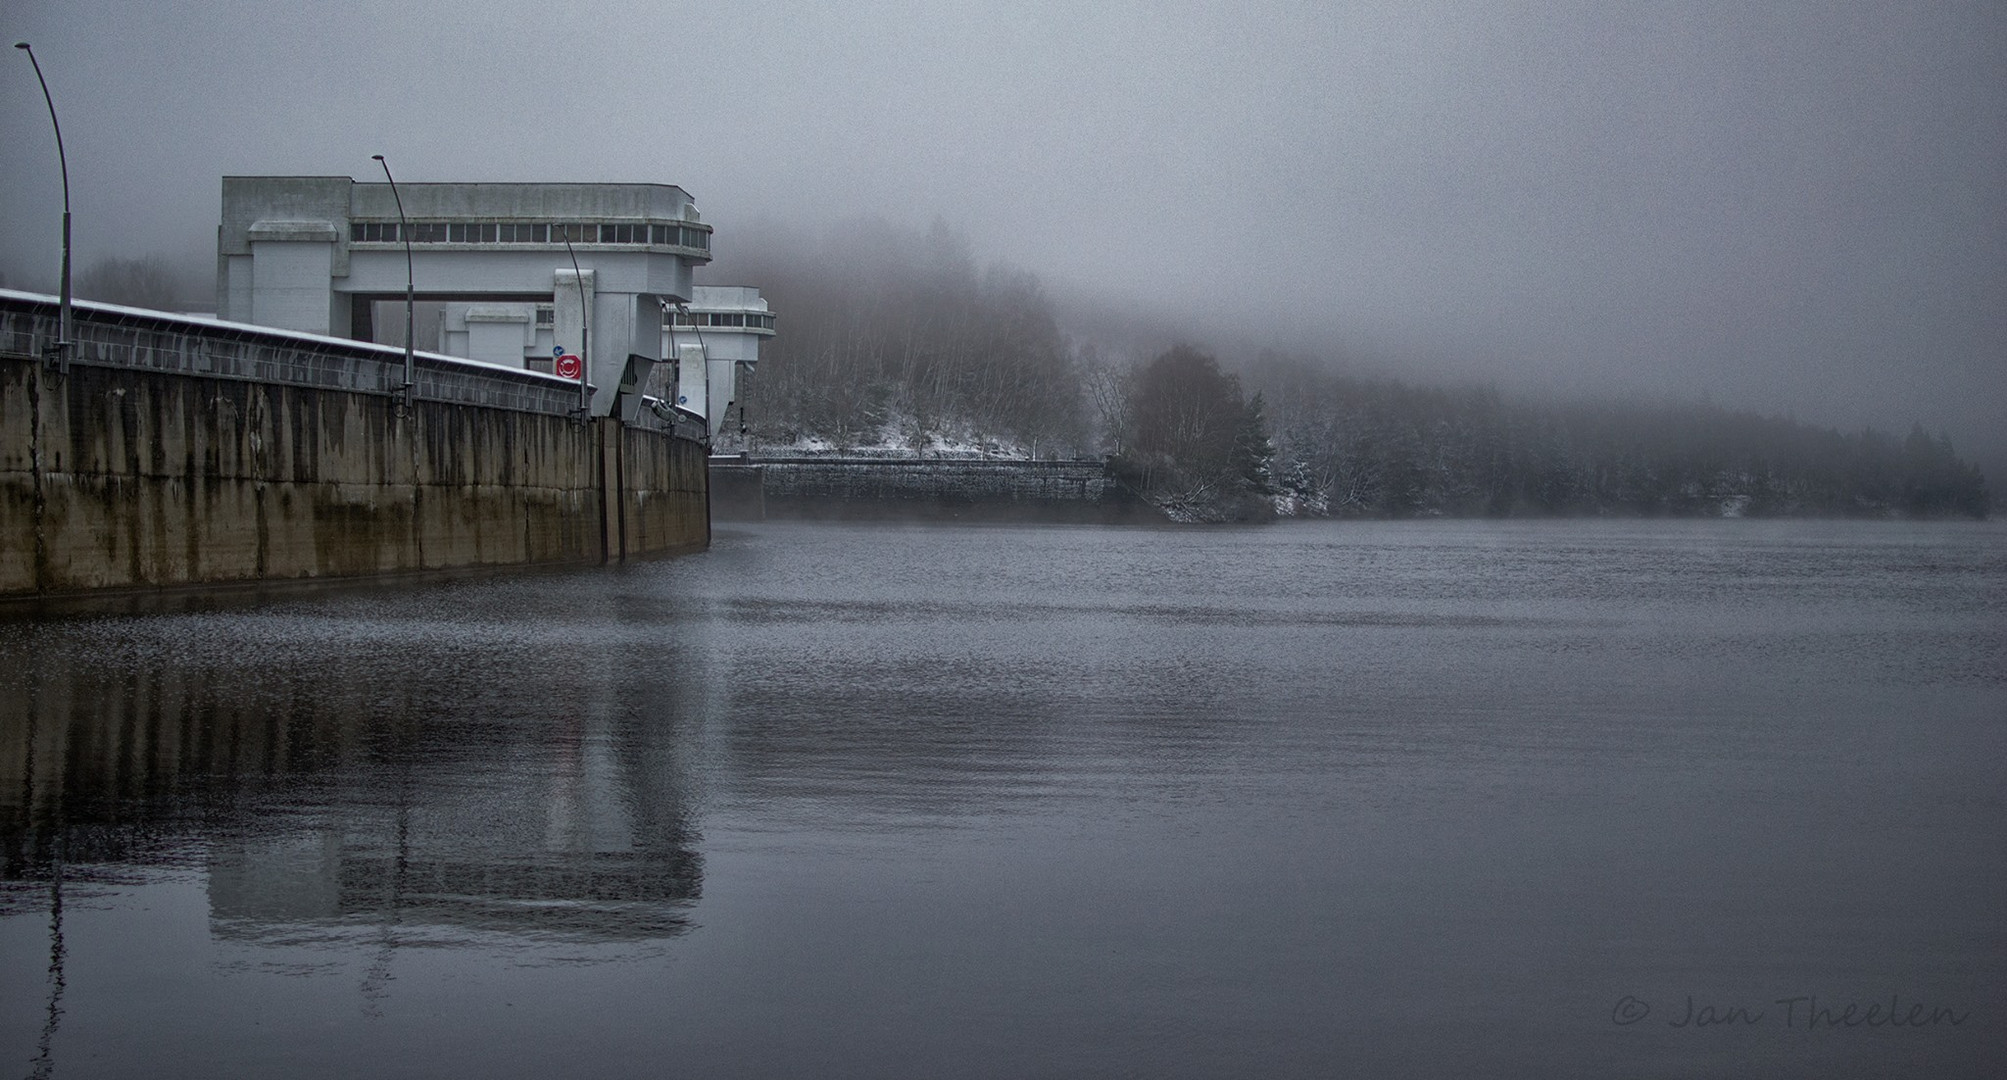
[(292, 264), (571, 298), (496, 333), (612, 488), (233, 288), (721, 377), (624, 324), (692, 399)]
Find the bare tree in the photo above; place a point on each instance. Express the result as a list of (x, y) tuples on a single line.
[(145, 282), (892, 334)]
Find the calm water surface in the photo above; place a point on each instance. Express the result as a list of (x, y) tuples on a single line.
[(1415, 799)]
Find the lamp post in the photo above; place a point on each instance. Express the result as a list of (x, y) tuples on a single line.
[(62, 347), (410, 296), (683, 307), (584, 331)]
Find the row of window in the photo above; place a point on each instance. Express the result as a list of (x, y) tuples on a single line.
[(753, 320), (547, 316), (511, 232)]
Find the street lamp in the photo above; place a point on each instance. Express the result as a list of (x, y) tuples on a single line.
[(62, 347), (403, 230), (584, 330)]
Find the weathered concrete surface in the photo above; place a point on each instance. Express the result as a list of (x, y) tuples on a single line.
[(120, 477), (664, 493)]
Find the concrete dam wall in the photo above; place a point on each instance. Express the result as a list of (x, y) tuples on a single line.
[(178, 451)]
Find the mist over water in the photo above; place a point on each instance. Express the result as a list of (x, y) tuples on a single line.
[(1391, 799)]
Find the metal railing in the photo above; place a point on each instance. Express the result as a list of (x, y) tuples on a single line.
[(111, 336)]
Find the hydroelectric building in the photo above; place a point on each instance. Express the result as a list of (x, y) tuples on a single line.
[(557, 412), (527, 273)]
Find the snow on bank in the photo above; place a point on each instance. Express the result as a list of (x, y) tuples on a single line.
[(902, 436)]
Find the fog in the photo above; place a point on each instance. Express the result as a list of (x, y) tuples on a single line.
[(1787, 207)]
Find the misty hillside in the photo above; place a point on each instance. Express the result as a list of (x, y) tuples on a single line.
[(902, 346), (1382, 448), (895, 341)]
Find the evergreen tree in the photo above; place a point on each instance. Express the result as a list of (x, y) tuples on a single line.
[(1253, 458)]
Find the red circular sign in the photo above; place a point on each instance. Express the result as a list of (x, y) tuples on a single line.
[(569, 366)]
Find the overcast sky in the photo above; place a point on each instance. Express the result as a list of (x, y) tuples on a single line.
[(1797, 207)]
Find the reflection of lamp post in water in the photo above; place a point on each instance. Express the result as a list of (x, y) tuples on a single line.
[(45, 1061), (63, 326), (376, 977), (403, 230), (53, 820)]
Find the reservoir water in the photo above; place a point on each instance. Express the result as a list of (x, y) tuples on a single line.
[(1555, 799)]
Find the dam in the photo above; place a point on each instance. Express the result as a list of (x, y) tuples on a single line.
[(561, 416), (162, 450)]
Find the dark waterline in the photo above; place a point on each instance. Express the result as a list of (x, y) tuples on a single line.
[(1397, 799)]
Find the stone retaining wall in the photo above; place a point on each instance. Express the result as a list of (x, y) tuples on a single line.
[(946, 487)]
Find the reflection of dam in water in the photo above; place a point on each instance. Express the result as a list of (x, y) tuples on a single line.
[(579, 849), (337, 794), (273, 886)]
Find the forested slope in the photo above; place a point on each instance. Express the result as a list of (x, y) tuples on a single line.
[(893, 341), (1377, 447)]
